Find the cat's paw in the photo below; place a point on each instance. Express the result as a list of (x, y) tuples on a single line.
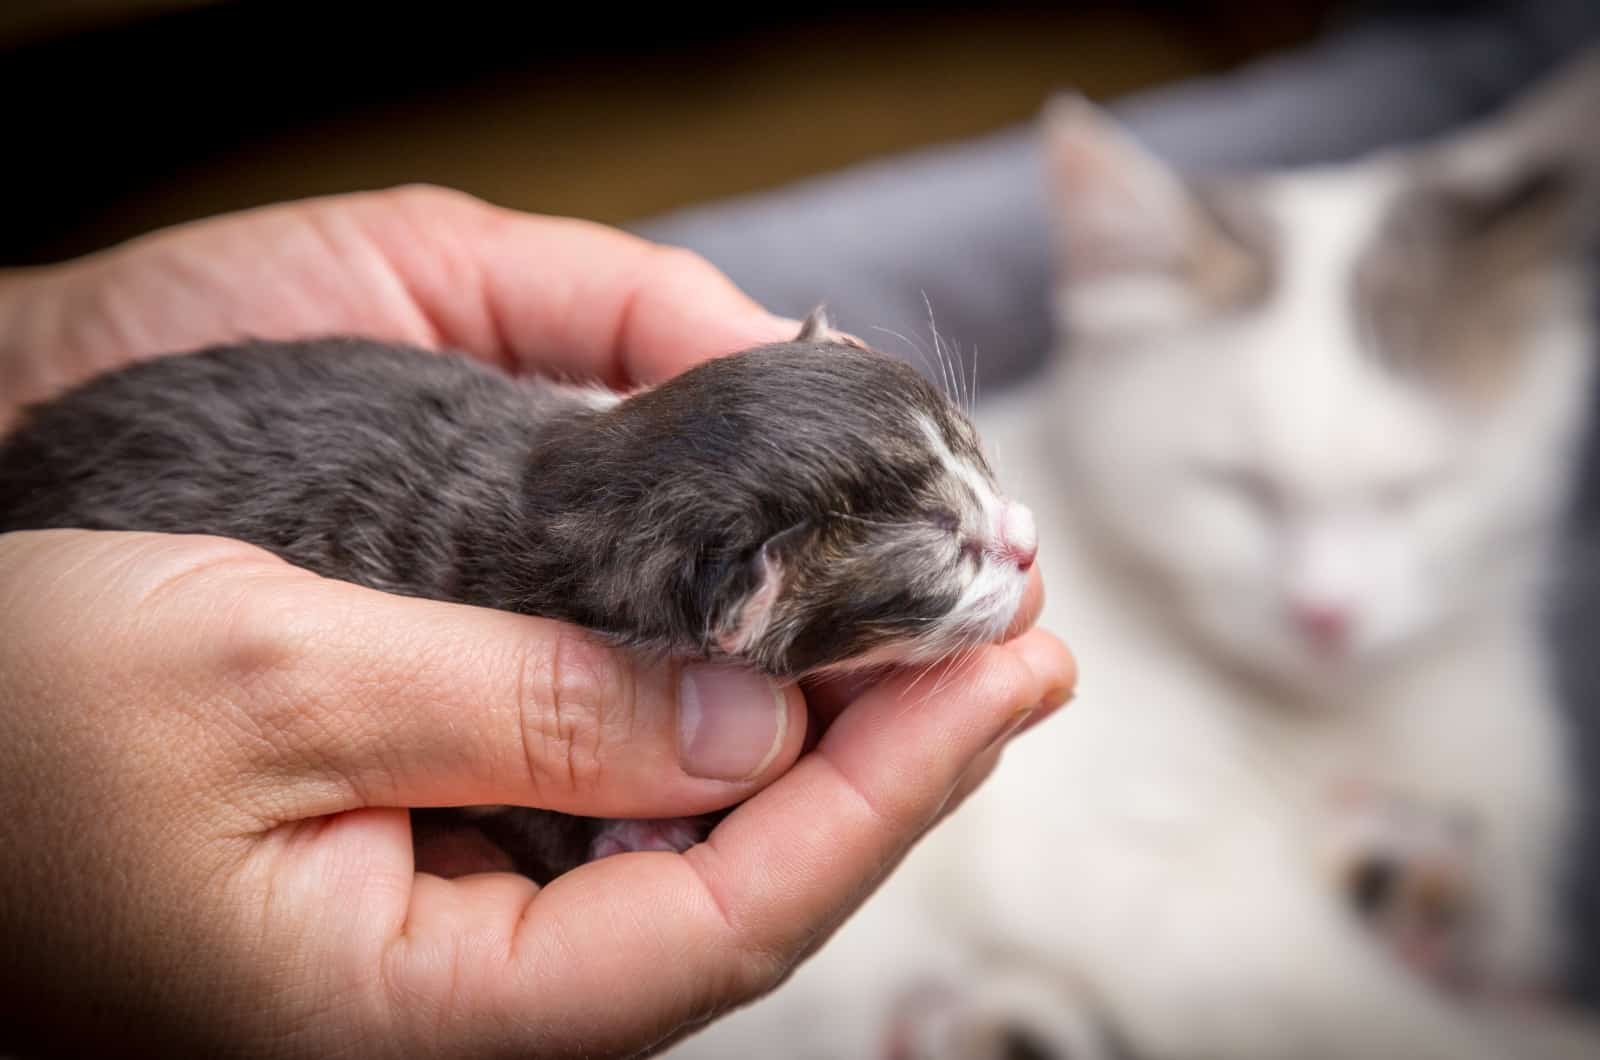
[(676, 834), (1405, 868), (997, 1014)]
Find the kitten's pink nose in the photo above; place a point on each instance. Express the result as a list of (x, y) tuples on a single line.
[(1019, 539), (1326, 626)]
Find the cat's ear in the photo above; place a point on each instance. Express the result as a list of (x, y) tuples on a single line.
[(1550, 126), (1137, 242), (1118, 208), (1526, 183), (762, 584)]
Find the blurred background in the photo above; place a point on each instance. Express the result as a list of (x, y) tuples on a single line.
[(126, 115)]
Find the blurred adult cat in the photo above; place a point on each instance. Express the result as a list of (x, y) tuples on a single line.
[(1297, 476)]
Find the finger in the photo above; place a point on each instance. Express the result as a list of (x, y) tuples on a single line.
[(560, 295), (989, 761), (350, 697), (417, 265), (726, 920)]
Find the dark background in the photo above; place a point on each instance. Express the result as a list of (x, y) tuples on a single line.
[(126, 115)]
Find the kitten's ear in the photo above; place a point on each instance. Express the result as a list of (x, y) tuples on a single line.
[(764, 580), (818, 327)]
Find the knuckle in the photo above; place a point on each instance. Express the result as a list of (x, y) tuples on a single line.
[(686, 261), (759, 971), (244, 636), (574, 704), (257, 646), (422, 195), (231, 659), (262, 669), (742, 973)]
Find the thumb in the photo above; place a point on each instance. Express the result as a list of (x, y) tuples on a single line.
[(383, 700)]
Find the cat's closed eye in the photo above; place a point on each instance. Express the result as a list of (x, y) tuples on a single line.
[(1399, 495), (1395, 497), (1246, 483)]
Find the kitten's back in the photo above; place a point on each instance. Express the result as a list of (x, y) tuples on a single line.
[(342, 455)]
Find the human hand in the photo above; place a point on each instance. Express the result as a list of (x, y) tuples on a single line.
[(420, 265), (214, 849), (204, 764)]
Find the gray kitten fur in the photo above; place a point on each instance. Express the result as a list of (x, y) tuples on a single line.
[(652, 520)]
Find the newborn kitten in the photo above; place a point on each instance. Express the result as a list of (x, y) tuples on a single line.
[(802, 507)]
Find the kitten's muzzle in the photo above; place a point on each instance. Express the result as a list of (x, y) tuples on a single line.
[(1017, 539)]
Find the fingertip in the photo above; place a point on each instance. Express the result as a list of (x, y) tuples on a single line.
[(757, 327), (1053, 665), (685, 310)]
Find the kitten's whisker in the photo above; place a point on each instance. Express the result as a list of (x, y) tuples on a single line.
[(974, 410), (944, 360), (973, 652), (926, 670), (952, 377), (944, 665), (935, 373), (966, 660), (962, 396), (949, 674)]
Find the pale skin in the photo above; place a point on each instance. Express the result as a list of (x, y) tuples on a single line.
[(205, 753)]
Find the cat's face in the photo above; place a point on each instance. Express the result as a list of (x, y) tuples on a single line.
[(1325, 411)]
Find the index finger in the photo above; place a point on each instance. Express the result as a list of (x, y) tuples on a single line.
[(559, 295)]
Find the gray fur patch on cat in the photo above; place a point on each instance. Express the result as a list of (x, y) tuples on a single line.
[(1455, 268)]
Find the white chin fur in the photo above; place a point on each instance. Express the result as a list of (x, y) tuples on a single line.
[(980, 616), (989, 602)]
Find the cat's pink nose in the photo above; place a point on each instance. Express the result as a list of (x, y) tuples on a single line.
[(1019, 539), (1326, 626)]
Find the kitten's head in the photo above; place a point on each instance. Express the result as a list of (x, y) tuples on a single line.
[(841, 509), (1326, 409)]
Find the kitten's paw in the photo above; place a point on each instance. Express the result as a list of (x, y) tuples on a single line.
[(676, 834)]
